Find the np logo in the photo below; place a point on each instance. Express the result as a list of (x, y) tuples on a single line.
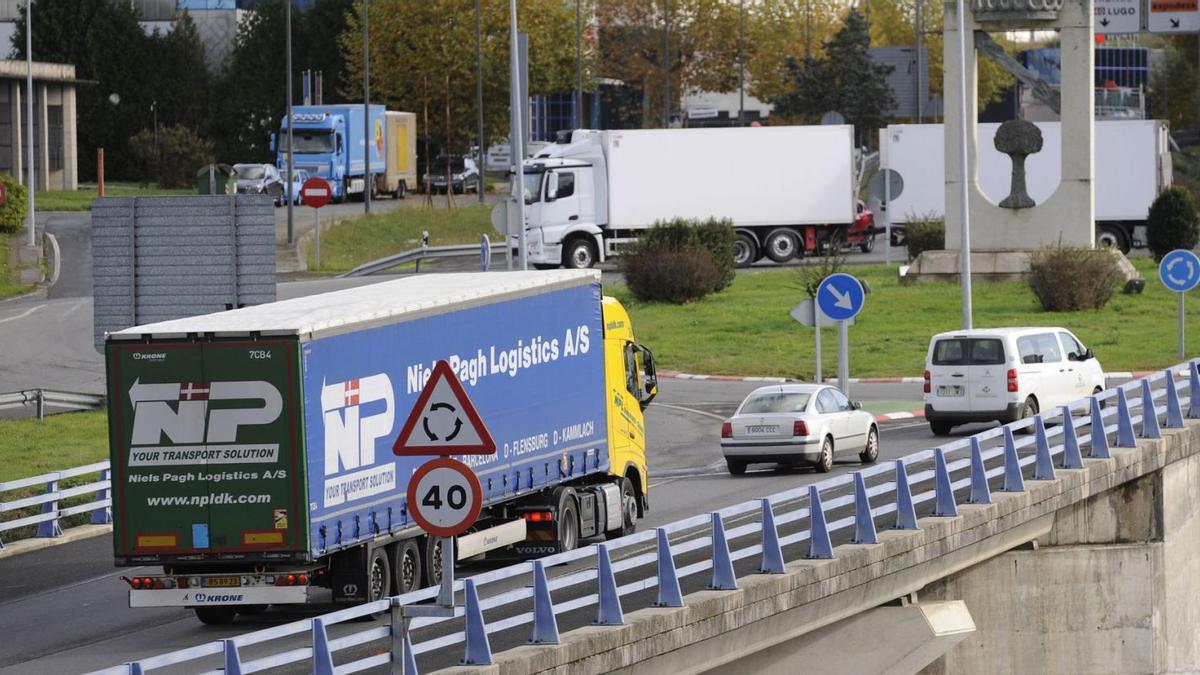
[(356, 414), (178, 423)]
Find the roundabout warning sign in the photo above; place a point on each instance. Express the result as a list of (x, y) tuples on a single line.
[(444, 421)]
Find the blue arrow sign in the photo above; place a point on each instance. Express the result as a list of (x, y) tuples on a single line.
[(840, 296), (1180, 270)]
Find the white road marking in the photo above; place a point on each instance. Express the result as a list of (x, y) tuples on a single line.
[(22, 315), (690, 410), (72, 309)]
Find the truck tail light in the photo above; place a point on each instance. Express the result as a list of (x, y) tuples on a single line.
[(1012, 379), (928, 388), (537, 516), (799, 428), (727, 430)]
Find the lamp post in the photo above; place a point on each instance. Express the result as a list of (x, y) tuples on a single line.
[(368, 177), (157, 158), (666, 117), (32, 184), (288, 79), (964, 120), (741, 63), (479, 99)]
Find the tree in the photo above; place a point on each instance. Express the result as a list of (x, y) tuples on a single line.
[(845, 80), (783, 30), (1173, 91), (421, 47)]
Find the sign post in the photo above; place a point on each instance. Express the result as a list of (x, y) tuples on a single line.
[(1180, 272), (810, 316), (316, 193), (840, 297)]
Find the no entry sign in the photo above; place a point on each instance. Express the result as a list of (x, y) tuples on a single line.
[(316, 192)]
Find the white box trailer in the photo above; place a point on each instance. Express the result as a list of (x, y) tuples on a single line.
[(1132, 165), (780, 186)]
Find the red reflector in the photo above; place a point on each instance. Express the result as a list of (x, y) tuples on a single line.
[(1012, 379), (182, 582), (302, 579), (136, 583), (727, 430), (927, 378), (799, 428)]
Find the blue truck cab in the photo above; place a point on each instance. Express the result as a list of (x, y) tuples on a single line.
[(328, 142)]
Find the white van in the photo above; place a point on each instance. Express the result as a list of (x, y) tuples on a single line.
[(1005, 374)]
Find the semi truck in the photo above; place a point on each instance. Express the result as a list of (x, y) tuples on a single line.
[(328, 142), (787, 190), (253, 454), (1132, 165)]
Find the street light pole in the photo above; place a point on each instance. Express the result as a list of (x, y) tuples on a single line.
[(479, 97), (741, 63), (666, 117), (32, 187), (157, 159), (577, 113), (287, 30), (964, 120), (517, 134), (368, 177)]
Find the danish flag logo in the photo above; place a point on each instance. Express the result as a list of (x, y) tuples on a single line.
[(193, 391), (350, 393)]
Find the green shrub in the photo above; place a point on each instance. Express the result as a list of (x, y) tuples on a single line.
[(12, 213), (925, 233), (180, 154), (1067, 279), (671, 276), (678, 246), (1172, 222)]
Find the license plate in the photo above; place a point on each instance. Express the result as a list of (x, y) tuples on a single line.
[(222, 582), (762, 429), (950, 390)]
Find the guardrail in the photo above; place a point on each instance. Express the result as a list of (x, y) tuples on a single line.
[(958, 465), (40, 398), (48, 521), (418, 254)]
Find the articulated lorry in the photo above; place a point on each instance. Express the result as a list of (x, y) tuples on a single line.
[(787, 190), (252, 450), (328, 142), (1132, 165)]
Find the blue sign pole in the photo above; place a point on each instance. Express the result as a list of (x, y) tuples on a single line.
[(485, 253), (840, 296), (1179, 271)]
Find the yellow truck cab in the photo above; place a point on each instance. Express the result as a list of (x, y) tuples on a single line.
[(631, 383)]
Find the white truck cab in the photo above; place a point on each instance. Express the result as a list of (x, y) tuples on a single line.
[(1005, 374), (566, 197)]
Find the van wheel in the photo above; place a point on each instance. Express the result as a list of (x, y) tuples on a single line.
[(736, 467), (1096, 392), (1028, 409), (216, 616), (825, 461), (871, 452), (782, 245), (579, 254), (745, 251), (406, 567), (940, 428)]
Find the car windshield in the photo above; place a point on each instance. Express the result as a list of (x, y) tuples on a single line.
[(250, 171), (456, 165), (309, 141), (533, 187), (774, 402)]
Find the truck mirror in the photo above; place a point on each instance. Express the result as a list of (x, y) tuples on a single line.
[(271, 144), (551, 186)]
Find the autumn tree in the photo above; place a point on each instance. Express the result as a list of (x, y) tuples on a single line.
[(421, 47), (785, 30)]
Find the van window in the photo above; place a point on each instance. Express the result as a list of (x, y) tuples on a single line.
[(1040, 348), (968, 352), (1072, 347)]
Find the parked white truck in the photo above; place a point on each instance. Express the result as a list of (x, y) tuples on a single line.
[(786, 189), (1132, 160)]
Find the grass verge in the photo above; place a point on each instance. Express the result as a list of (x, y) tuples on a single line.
[(81, 199), (746, 330), (361, 239), (8, 285)]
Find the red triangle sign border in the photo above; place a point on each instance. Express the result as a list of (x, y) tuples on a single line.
[(442, 370)]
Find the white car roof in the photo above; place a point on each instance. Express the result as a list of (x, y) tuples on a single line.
[(998, 332), (790, 388)]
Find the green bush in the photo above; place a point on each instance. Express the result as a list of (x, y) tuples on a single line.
[(180, 154), (680, 260), (1172, 222), (1067, 279), (12, 213), (925, 233)]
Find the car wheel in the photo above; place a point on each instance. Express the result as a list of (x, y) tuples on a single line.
[(825, 461), (868, 244), (1028, 409), (871, 452), (745, 251), (579, 253), (940, 428), (406, 567), (736, 467), (781, 245), (221, 615)]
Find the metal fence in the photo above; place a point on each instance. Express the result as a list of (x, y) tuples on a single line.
[(893, 496), (39, 399), (52, 512), (416, 255)]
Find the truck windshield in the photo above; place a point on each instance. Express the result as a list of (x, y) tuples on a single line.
[(308, 141), (533, 187)]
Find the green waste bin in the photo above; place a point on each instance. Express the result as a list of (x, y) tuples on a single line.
[(216, 179)]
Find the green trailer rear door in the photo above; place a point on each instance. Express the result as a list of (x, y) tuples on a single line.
[(207, 449)]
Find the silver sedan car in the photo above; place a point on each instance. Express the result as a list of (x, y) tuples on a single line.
[(798, 423)]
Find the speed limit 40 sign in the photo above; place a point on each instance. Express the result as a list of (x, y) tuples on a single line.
[(444, 497)]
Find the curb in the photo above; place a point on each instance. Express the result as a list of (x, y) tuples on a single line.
[(68, 536), (1124, 374)]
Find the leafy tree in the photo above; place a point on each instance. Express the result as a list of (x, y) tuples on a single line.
[(781, 30), (425, 48), (1171, 223), (844, 80), (1173, 91), (172, 158)]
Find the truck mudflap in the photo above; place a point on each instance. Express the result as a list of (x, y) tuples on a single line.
[(204, 597)]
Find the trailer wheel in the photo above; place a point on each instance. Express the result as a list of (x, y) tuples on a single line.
[(432, 550), (1111, 236), (401, 190), (406, 566), (220, 615), (745, 250), (379, 575), (782, 245)]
